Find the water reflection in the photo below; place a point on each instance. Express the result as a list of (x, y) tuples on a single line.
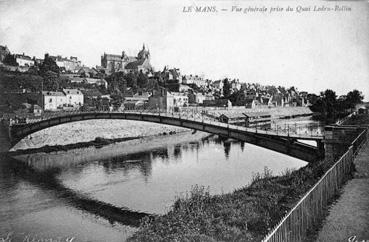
[(113, 182), (149, 181), (47, 180), (35, 204)]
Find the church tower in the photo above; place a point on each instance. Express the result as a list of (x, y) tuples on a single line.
[(143, 54)]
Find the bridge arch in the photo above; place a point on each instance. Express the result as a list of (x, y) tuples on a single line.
[(282, 143)]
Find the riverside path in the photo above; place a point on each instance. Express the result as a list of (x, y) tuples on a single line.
[(348, 218)]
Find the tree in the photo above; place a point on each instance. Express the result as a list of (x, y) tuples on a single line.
[(142, 80), (226, 88), (10, 60), (131, 79), (238, 98), (329, 99), (354, 97), (49, 65), (329, 96), (51, 82)]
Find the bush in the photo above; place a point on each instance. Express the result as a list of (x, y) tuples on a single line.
[(247, 214)]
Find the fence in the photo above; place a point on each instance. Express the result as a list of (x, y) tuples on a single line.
[(310, 208)]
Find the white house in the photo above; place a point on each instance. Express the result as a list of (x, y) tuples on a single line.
[(72, 64), (74, 97), (53, 101), (199, 98), (179, 99), (24, 60), (194, 79)]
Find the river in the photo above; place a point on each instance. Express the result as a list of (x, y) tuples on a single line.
[(70, 194)]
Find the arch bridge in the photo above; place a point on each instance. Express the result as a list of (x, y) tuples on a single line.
[(282, 142)]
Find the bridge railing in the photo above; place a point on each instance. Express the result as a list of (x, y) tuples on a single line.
[(344, 119), (309, 210), (193, 116)]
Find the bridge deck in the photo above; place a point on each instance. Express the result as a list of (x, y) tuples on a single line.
[(193, 118), (285, 143)]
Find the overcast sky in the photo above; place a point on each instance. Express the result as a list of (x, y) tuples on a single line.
[(312, 50)]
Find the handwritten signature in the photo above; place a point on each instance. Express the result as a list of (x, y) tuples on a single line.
[(355, 239), (34, 238)]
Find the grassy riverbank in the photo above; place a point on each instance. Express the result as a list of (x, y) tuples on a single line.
[(246, 214)]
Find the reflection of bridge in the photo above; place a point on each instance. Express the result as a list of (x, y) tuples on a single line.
[(283, 142)]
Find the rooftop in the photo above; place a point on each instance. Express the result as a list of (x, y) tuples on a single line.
[(72, 91), (51, 93)]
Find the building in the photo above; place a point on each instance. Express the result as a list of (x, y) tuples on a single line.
[(235, 84), (218, 103), (114, 63), (251, 94), (139, 97), (69, 65), (74, 97), (172, 75), (184, 88), (276, 101), (161, 99), (91, 94), (24, 60), (194, 79), (258, 119), (218, 85), (36, 110), (179, 99), (233, 118), (87, 72), (4, 51), (197, 98), (90, 81), (53, 101)]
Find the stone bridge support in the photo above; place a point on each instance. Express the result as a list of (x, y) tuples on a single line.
[(337, 139)]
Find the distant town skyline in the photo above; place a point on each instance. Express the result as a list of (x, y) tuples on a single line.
[(312, 51)]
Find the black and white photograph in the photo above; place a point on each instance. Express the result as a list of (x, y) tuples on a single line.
[(184, 120)]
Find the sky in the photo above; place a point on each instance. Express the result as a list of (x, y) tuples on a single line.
[(311, 50)]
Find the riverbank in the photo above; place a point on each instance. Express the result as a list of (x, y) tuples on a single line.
[(97, 142), (247, 214), (61, 158), (358, 119)]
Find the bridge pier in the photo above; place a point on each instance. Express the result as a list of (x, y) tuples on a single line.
[(321, 149), (337, 140)]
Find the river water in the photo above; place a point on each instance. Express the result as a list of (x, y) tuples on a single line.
[(69, 195)]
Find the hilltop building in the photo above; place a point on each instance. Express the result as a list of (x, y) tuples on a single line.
[(194, 79), (24, 60), (114, 63), (71, 64)]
